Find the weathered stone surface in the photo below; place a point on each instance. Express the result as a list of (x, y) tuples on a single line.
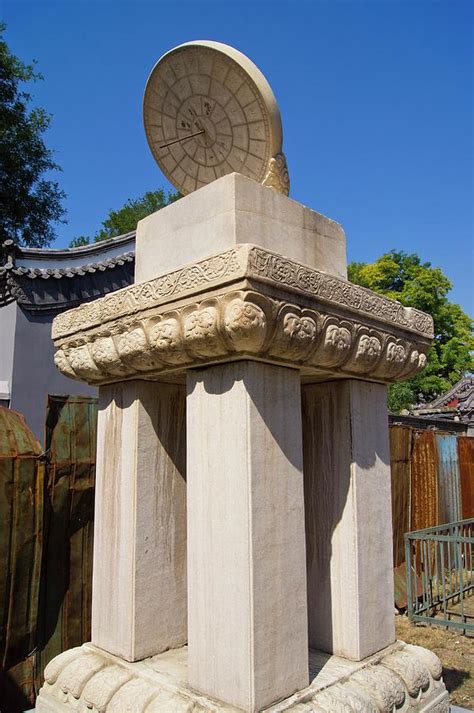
[(231, 211), (139, 584), (247, 637), (380, 684), (348, 518), (245, 326)]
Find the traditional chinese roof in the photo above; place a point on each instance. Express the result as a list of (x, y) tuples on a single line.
[(57, 279), (457, 403), (461, 392)]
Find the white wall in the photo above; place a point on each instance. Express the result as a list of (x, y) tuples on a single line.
[(7, 340)]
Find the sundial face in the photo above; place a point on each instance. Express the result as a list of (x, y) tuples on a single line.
[(209, 111)]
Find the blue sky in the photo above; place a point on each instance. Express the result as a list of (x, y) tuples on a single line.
[(376, 102)]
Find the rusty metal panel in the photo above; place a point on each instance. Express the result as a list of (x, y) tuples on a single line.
[(21, 522), (65, 603), (46, 540), (18, 689), (448, 478), (16, 439), (424, 481), (22, 485), (400, 468), (466, 469)]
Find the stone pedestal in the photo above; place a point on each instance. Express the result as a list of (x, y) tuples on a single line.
[(139, 583), (401, 678), (233, 211), (348, 518), (245, 325), (248, 639)]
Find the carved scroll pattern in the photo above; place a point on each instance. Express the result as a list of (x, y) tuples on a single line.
[(332, 289), (148, 294)]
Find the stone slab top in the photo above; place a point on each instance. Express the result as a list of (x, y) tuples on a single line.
[(243, 303)]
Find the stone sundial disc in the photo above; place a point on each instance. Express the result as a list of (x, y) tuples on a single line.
[(209, 111)]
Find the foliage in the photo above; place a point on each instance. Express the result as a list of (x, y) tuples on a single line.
[(126, 218), (405, 278), (29, 204), (79, 241)]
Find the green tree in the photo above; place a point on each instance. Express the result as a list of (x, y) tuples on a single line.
[(29, 204), (405, 278), (126, 218)]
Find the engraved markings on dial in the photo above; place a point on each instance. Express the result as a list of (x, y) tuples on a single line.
[(208, 120)]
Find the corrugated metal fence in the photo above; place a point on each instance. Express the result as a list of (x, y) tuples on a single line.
[(46, 536), (432, 484)]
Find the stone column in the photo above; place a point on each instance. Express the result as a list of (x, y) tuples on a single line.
[(247, 618), (348, 518), (139, 580)]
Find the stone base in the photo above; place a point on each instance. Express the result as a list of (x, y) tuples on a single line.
[(401, 677)]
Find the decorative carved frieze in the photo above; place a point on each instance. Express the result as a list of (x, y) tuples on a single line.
[(242, 263), (280, 270), (238, 324), (242, 303), (191, 279)]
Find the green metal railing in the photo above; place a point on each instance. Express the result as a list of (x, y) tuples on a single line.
[(440, 575)]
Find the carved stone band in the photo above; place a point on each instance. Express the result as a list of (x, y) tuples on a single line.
[(244, 263), (154, 342), (402, 678)]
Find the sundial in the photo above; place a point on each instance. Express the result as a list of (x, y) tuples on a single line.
[(209, 111)]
